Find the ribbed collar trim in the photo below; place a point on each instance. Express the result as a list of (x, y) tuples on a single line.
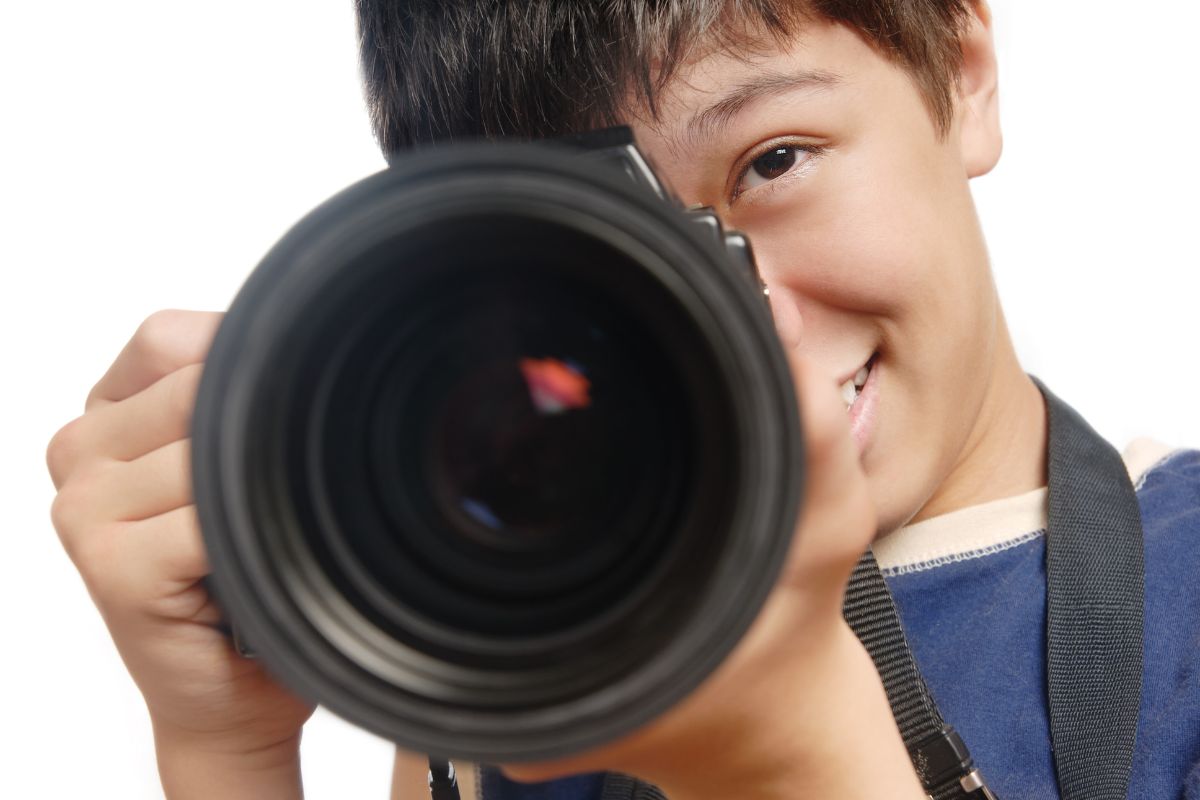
[(990, 527)]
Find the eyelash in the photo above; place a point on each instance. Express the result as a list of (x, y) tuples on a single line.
[(748, 164)]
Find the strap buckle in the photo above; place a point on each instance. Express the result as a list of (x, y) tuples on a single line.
[(943, 759), (973, 784), (443, 781)]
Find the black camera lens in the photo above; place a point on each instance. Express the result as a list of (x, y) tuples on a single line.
[(495, 454), (501, 440)]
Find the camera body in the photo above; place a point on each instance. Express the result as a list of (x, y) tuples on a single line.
[(496, 453), (616, 147)]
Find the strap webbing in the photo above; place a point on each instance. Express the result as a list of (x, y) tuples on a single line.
[(1094, 609), (624, 787), (872, 615)]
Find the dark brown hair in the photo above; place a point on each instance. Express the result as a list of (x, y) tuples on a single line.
[(435, 70)]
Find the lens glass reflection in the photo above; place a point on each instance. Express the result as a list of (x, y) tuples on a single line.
[(508, 440)]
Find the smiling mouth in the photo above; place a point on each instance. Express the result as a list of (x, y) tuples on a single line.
[(853, 387)]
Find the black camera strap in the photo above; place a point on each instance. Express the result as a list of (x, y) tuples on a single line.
[(1095, 579), (1094, 610), (938, 753)]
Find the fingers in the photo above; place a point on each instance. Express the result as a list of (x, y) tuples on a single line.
[(164, 552), (145, 399), (136, 565), (117, 491), (166, 341), (128, 429)]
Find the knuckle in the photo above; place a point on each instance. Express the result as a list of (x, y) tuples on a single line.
[(62, 515), (173, 336), (73, 507), (63, 450), (155, 339), (181, 397), (158, 323), (67, 514)]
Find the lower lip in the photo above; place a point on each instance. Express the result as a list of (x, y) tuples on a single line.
[(865, 409)]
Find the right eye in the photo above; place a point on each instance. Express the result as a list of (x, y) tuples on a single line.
[(774, 162)]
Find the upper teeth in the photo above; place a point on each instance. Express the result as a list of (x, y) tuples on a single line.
[(851, 387)]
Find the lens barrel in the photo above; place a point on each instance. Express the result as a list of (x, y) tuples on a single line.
[(496, 454)]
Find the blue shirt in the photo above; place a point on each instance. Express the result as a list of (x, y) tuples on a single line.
[(971, 590)]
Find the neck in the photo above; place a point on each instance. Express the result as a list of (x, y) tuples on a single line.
[(1005, 453)]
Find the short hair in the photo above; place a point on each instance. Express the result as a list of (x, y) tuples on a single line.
[(438, 70)]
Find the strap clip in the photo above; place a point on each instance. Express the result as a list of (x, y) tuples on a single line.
[(943, 758), (443, 781), (973, 784)]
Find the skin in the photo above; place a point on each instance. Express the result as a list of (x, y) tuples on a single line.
[(871, 244)]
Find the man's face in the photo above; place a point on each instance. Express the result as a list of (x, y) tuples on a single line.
[(858, 210)]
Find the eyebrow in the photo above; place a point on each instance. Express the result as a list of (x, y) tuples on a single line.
[(717, 116)]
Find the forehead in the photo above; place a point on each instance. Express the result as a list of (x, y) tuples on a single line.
[(723, 79), (706, 94)]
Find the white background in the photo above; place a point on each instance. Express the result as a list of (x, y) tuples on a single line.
[(151, 152)]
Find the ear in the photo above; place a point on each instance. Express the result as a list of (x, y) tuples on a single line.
[(977, 105)]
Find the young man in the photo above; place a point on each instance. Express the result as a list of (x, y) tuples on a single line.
[(840, 136)]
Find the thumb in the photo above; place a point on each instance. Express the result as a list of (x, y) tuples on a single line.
[(837, 519)]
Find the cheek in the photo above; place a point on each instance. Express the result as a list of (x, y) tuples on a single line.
[(880, 232), (854, 254)]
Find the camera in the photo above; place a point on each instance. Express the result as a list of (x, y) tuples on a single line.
[(497, 454)]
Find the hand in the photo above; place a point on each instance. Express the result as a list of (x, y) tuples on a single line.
[(124, 514), (798, 709)]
